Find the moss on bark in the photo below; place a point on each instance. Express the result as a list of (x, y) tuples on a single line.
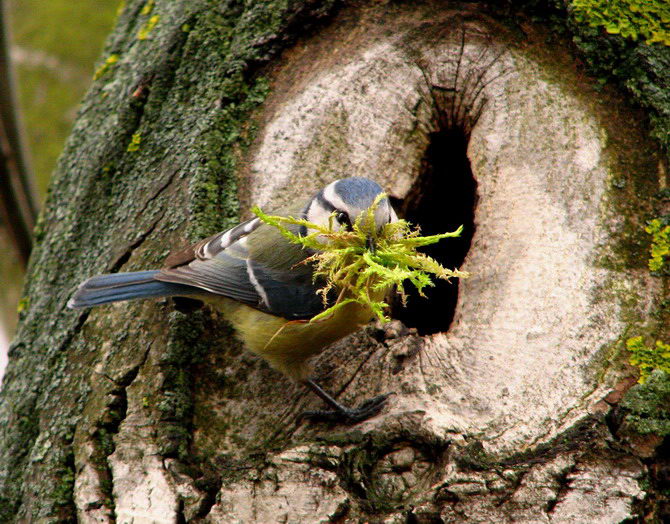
[(641, 70), (186, 89)]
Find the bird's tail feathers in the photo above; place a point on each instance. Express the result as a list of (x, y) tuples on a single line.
[(115, 287)]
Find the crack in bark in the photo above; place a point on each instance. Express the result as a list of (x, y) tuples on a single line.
[(454, 105), (121, 259), (103, 437), (209, 499), (356, 372), (563, 487), (511, 490), (161, 187)]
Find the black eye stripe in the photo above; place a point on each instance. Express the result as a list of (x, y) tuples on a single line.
[(324, 202)]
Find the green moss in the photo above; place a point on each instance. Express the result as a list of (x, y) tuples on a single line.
[(647, 358), (644, 19), (347, 262), (63, 488), (646, 405), (659, 229), (174, 405), (214, 204)]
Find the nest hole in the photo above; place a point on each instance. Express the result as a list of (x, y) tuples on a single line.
[(442, 198)]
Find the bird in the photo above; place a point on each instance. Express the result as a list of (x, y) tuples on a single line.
[(261, 284)]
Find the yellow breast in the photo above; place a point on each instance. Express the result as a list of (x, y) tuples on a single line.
[(288, 344)]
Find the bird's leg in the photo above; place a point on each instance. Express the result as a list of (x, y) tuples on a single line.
[(341, 413)]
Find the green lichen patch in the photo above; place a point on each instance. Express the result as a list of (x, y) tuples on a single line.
[(174, 405), (106, 65), (362, 262), (148, 26), (147, 8), (23, 305), (647, 20), (213, 204), (134, 144)]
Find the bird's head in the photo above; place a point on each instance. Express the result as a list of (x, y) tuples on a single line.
[(348, 199)]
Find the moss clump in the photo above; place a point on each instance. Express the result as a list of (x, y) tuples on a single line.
[(659, 229), (363, 262), (644, 19), (647, 358), (646, 405)]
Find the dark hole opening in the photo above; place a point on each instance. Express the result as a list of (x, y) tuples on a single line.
[(443, 197)]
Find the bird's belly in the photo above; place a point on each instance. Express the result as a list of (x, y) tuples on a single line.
[(287, 344)]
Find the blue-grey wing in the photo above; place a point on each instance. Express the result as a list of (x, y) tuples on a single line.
[(289, 294), (223, 266)]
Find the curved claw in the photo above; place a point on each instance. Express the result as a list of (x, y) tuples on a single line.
[(367, 409)]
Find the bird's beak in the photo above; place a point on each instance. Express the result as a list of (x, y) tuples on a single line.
[(370, 244)]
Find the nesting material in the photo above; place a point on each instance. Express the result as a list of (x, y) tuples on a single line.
[(363, 263)]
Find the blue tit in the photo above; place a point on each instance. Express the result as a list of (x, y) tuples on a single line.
[(253, 276)]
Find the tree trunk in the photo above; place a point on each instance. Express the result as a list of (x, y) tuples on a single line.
[(507, 386)]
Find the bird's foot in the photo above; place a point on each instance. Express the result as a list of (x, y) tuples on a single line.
[(367, 409)]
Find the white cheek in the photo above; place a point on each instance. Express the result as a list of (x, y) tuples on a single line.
[(385, 214), (331, 196), (392, 215), (318, 215)]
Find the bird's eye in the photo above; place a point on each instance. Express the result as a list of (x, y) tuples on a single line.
[(343, 219)]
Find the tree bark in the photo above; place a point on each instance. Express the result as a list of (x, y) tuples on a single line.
[(152, 412)]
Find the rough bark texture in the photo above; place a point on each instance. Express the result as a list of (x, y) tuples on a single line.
[(146, 412)]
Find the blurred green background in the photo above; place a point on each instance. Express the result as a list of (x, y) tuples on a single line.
[(54, 45)]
